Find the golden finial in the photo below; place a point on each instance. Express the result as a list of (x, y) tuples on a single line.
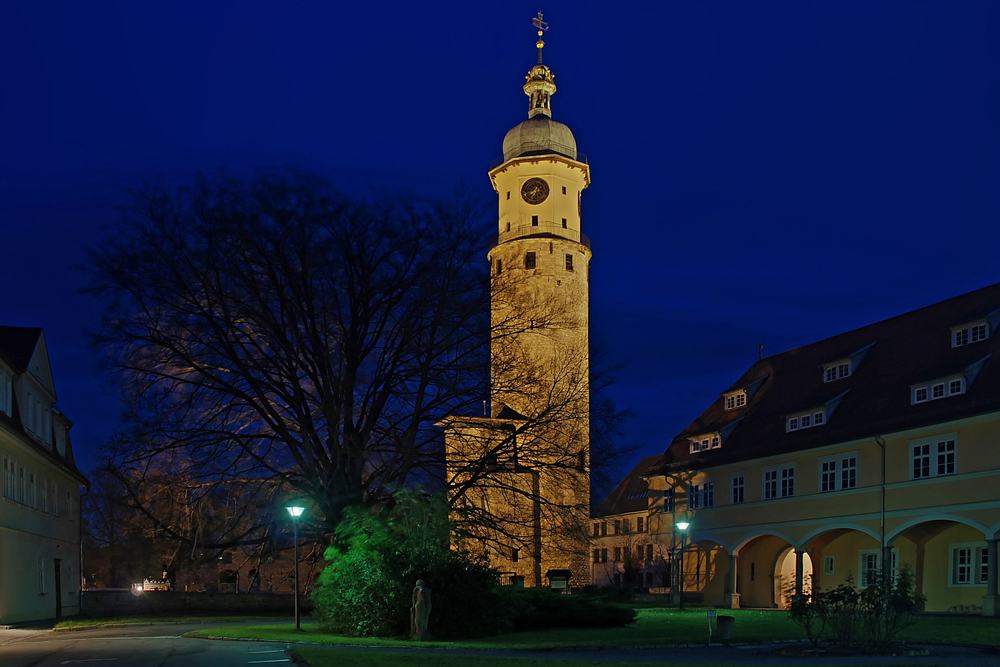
[(542, 27)]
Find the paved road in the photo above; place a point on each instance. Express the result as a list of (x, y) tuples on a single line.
[(162, 646), (143, 646)]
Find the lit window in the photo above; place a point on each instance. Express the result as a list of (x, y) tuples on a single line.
[(529, 260), (736, 400), (738, 484)]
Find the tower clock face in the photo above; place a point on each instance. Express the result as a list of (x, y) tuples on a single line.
[(534, 190)]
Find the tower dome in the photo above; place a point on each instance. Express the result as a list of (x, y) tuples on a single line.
[(539, 134)]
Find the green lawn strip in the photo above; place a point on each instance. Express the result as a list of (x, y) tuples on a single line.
[(654, 626), (322, 657), (78, 622)]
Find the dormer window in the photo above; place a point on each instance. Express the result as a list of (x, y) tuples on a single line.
[(703, 443), (6, 392), (969, 333), (736, 400), (932, 391), (837, 370), (808, 419)]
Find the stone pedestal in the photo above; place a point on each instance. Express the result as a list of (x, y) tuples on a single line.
[(732, 600)]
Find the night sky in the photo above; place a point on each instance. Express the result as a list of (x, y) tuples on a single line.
[(775, 171)]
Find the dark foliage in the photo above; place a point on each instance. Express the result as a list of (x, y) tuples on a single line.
[(538, 608)]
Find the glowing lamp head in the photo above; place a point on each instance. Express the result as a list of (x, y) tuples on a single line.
[(682, 525), (295, 511)]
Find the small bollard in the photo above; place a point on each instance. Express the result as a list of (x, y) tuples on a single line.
[(711, 615)]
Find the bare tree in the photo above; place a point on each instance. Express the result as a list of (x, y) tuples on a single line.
[(275, 338)]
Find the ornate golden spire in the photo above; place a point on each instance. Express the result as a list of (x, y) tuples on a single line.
[(540, 85)]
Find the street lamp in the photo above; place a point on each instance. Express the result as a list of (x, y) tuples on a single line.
[(681, 526), (296, 511)]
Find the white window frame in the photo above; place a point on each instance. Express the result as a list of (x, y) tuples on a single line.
[(863, 557), (805, 419), (736, 400), (705, 442), (968, 334), (837, 370), (938, 455), (708, 493), (936, 390), (6, 392), (694, 496), (977, 565), (668, 500), (832, 471), (737, 488), (779, 482), (828, 565)]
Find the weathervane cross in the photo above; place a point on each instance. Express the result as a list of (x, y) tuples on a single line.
[(539, 23)]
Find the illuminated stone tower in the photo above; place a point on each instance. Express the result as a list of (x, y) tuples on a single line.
[(527, 463)]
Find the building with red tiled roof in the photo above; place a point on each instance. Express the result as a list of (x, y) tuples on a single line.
[(874, 449), (39, 508)]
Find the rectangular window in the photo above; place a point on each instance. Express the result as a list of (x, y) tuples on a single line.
[(961, 566), (837, 372), (597, 555), (618, 554), (738, 484), (20, 484), (787, 482), (921, 461), (597, 529), (45, 495), (955, 387), (8, 477), (730, 402), (818, 418), (649, 552), (499, 266), (514, 554), (793, 424), (508, 194), (564, 189), (716, 443), (569, 262), (937, 391), (604, 529), (694, 496), (920, 395), (604, 555), (828, 565), (978, 333), (828, 476), (638, 524), (529, 260), (944, 453), (806, 421), (564, 223), (41, 576), (534, 221), (961, 338), (946, 458), (849, 472), (668, 500), (870, 562), (32, 490), (831, 374), (770, 484), (708, 494)]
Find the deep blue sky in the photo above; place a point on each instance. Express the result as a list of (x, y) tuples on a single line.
[(780, 171)]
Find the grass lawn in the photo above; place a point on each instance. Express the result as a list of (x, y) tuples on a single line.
[(320, 657), (657, 625)]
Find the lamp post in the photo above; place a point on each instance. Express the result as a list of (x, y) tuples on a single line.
[(681, 526), (296, 511)]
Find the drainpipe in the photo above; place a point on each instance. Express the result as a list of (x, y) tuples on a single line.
[(883, 556)]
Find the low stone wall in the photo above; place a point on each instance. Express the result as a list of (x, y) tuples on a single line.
[(120, 602)]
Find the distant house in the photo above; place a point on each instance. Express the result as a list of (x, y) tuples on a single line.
[(870, 451), (39, 509)]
